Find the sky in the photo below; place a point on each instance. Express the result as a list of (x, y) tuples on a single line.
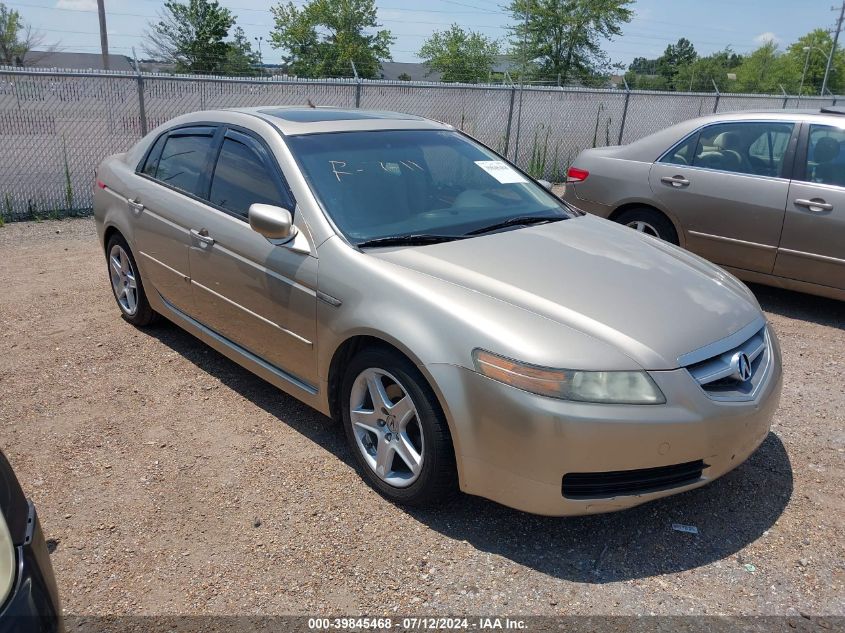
[(711, 25)]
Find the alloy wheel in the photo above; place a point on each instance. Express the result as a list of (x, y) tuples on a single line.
[(386, 427), (643, 227), (123, 280)]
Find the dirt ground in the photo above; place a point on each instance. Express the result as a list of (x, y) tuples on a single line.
[(171, 481)]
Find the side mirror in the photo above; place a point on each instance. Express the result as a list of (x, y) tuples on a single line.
[(274, 223), (546, 184)]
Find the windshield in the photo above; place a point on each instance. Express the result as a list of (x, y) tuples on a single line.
[(393, 183)]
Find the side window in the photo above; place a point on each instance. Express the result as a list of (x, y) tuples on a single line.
[(682, 154), (756, 148), (825, 158), (183, 161), (242, 177), (153, 157)]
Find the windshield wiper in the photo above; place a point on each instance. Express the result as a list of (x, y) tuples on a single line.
[(409, 240), (523, 219)]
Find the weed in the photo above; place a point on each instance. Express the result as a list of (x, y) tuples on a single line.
[(598, 121), (68, 183), (539, 154)]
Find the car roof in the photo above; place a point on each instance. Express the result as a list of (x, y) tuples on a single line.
[(650, 147), (295, 120)]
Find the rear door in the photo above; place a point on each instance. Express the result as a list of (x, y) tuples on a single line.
[(258, 295), (170, 177), (812, 247), (725, 184)]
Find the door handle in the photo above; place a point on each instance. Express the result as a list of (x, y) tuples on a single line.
[(675, 181), (202, 236), (816, 204), (136, 206)]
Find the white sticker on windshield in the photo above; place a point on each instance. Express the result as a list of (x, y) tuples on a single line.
[(501, 171)]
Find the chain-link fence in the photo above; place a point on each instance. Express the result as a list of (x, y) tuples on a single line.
[(55, 127)]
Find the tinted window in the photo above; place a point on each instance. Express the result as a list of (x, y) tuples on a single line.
[(825, 158), (183, 161), (682, 154), (401, 182), (242, 178), (743, 148), (152, 158)]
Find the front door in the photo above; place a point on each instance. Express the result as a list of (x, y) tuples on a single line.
[(726, 187), (260, 296), (812, 248)]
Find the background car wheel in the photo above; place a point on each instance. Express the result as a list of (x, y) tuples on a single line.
[(396, 429), (126, 283), (649, 221)]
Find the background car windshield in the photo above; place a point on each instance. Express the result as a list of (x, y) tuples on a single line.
[(404, 182)]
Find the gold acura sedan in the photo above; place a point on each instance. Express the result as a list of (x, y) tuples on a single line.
[(468, 328)]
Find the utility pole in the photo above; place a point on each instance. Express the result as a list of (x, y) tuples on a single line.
[(833, 49), (104, 38), (522, 83)]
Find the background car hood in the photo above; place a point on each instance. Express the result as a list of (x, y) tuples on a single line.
[(651, 300)]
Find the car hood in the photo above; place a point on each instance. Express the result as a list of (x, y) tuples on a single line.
[(651, 300)]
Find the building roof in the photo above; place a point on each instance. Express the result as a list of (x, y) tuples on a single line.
[(76, 61), (416, 71)]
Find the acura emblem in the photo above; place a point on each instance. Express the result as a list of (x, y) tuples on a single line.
[(741, 366)]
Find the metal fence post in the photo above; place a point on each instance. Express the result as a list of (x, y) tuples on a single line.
[(718, 96), (357, 85), (510, 118), (142, 110), (785, 96), (624, 111)]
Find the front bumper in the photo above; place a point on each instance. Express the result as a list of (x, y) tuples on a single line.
[(515, 447), (33, 605)]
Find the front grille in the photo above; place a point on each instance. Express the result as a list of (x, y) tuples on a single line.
[(717, 375), (630, 482)]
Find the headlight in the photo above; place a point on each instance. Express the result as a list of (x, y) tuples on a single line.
[(609, 387), (7, 561)]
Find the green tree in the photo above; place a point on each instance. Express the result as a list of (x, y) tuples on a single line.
[(324, 38), (17, 39), (563, 37), (700, 75), (812, 49), (191, 35), (765, 70), (460, 55), (240, 59), (637, 81), (675, 57)]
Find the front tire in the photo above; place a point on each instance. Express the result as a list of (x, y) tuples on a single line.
[(649, 221), (396, 429), (126, 284)]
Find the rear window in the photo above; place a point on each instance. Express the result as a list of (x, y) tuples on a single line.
[(183, 160)]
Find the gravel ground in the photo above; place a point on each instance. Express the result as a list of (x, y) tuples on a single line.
[(171, 481)]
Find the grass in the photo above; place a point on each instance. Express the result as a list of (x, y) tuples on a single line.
[(68, 183), (539, 153)]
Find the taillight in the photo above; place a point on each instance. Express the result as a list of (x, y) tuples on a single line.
[(101, 184), (576, 175)]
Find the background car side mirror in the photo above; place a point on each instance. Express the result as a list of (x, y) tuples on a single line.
[(274, 223), (546, 184)]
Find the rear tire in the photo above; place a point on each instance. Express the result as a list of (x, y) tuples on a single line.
[(649, 221), (399, 427), (126, 284)]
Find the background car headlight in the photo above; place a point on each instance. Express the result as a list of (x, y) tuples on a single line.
[(610, 387), (7, 561)]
